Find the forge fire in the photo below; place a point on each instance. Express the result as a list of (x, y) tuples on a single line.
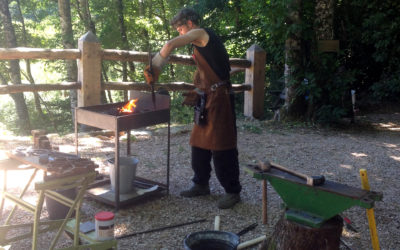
[(129, 107)]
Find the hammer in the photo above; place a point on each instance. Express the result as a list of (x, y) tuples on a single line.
[(311, 180)]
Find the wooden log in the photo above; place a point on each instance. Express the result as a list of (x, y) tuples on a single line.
[(38, 132), (106, 54), (171, 86), (89, 70), (124, 55), (34, 53), (128, 55), (181, 59), (10, 89), (141, 86), (255, 76), (291, 235), (240, 63), (264, 202)]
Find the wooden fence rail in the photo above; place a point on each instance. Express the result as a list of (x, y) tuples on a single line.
[(107, 54), (89, 56), (171, 86)]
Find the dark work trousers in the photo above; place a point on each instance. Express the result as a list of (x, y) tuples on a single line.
[(226, 164)]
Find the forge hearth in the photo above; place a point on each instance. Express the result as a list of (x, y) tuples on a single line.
[(109, 117)]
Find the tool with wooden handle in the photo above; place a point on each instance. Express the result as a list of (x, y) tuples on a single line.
[(310, 180), (264, 202), (153, 95), (266, 166)]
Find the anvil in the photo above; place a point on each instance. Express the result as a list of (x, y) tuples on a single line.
[(313, 205)]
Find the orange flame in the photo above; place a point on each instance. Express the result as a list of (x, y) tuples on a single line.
[(130, 106)]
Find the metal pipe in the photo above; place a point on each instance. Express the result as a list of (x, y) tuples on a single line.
[(160, 229)]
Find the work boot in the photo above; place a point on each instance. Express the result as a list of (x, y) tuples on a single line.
[(228, 200), (196, 190)]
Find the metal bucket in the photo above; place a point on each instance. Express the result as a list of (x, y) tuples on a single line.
[(56, 210), (211, 240), (127, 173)]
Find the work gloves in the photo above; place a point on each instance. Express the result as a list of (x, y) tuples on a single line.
[(158, 63)]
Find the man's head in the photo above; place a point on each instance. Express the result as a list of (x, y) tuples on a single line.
[(185, 20)]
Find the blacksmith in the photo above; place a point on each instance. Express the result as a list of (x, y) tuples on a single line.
[(214, 132)]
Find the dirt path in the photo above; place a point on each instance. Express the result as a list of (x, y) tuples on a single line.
[(338, 154)]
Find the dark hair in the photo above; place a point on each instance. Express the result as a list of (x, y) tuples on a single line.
[(185, 15)]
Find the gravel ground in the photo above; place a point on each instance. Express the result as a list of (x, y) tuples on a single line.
[(338, 154)]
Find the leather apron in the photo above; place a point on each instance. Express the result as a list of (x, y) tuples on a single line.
[(219, 133)]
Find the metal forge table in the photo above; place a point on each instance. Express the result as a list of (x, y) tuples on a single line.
[(146, 114)]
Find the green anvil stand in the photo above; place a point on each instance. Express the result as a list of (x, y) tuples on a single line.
[(313, 205)]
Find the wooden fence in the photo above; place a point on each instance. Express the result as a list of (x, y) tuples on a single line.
[(90, 55)]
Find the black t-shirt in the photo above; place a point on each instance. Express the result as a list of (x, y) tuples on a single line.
[(216, 56)]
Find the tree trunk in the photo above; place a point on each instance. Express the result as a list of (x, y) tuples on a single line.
[(166, 24), (104, 78), (28, 63), (64, 9), (84, 13), (124, 39), (324, 30), (290, 235), (324, 19), (15, 73), (294, 105)]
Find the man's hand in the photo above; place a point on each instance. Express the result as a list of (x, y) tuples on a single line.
[(151, 76), (158, 63)]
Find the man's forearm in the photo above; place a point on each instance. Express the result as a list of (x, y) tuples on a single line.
[(166, 50)]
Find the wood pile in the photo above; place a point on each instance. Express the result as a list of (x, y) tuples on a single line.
[(40, 140)]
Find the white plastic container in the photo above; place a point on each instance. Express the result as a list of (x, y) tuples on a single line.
[(127, 173), (104, 225)]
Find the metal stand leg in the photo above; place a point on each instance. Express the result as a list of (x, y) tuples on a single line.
[(76, 134), (128, 143), (116, 168), (168, 153)]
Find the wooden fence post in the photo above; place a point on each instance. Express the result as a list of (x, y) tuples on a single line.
[(255, 76), (89, 70)]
